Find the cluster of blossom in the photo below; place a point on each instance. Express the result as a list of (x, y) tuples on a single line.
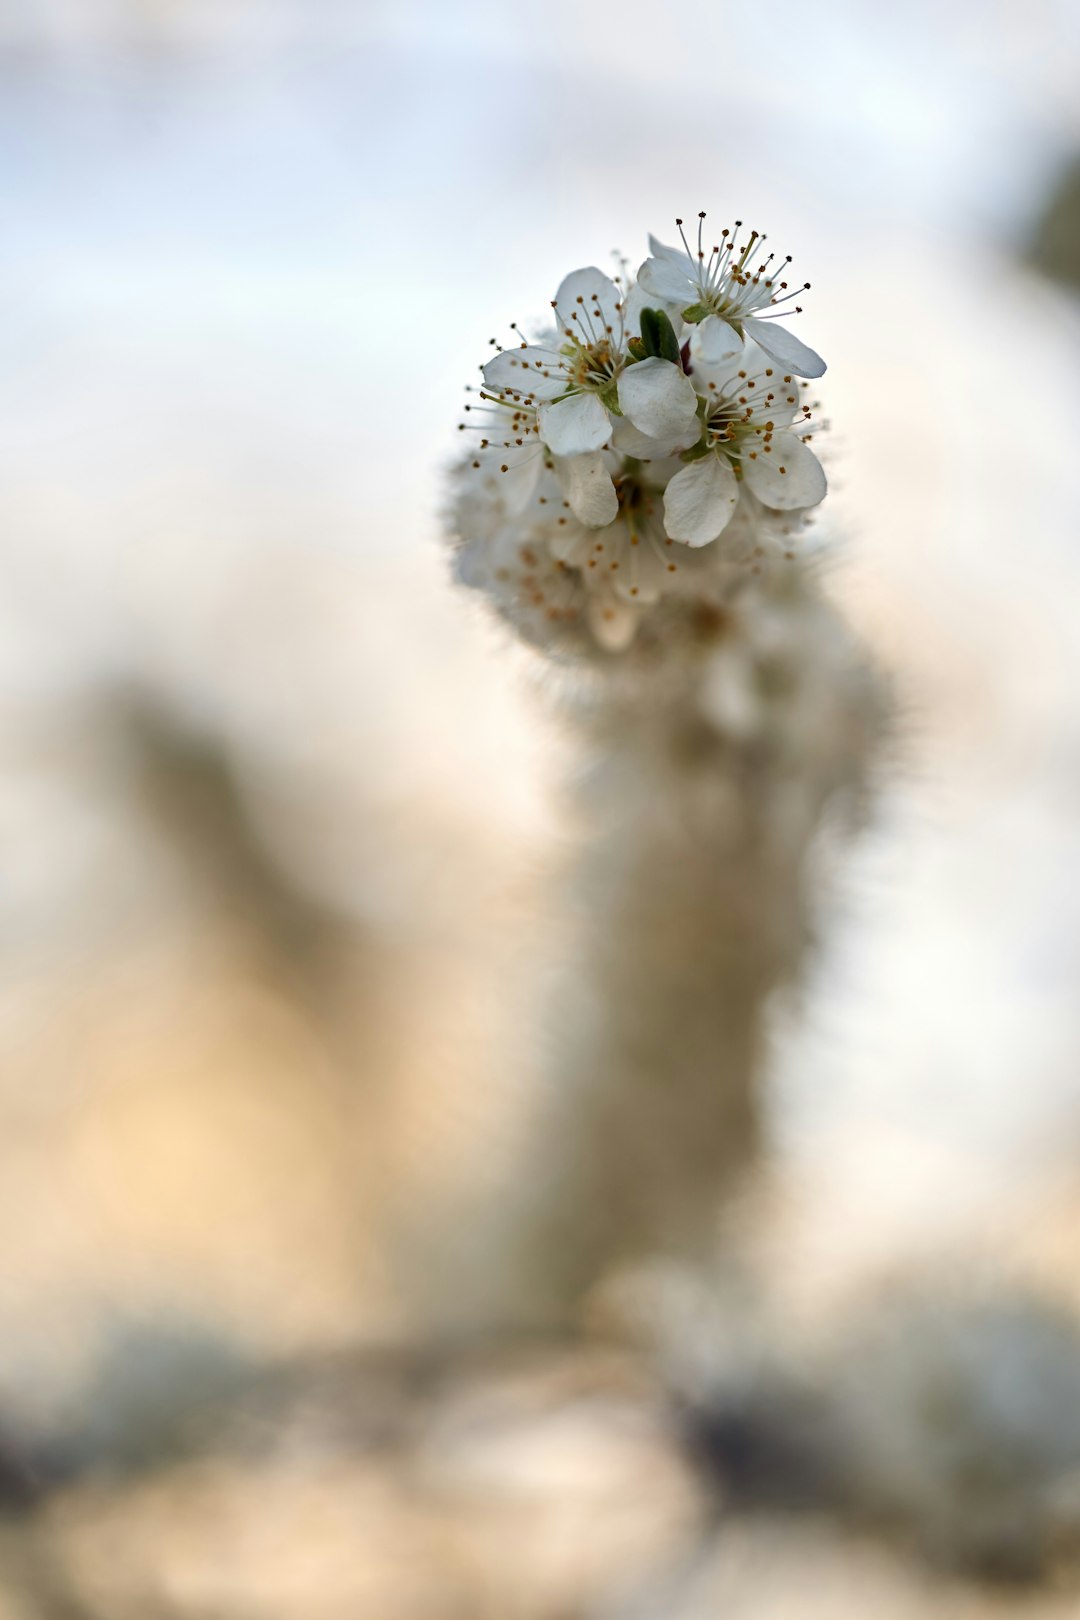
[(654, 444)]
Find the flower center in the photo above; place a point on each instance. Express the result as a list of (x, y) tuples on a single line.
[(635, 495), (591, 365), (730, 284)]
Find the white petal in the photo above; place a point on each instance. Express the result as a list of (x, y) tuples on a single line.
[(699, 501), (785, 348), (574, 425), (786, 476), (771, 398), (613, 623), (630, 441), (638, 299), (716, 341), (658, 397), (717, 372), (586, 304), (663, 279), (674, 255), (754, 378), (572, 543), (642, 574), (537, 373), (518, 483), (587, 485)]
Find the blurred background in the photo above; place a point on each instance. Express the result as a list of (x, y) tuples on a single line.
[(281, 812)]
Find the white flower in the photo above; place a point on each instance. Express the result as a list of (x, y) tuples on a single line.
[(509, 445), (507, 557), (750, 434), (633, 556), (729, 297), (584, 380), (555, 578)]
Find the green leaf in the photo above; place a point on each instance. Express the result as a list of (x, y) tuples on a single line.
[(669, 343), (650, 331), (658, 336)]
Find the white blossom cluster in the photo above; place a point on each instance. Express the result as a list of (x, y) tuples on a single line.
[(654, 444)]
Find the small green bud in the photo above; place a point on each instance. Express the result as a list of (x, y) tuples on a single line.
[(650, 331), (658, 336)]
